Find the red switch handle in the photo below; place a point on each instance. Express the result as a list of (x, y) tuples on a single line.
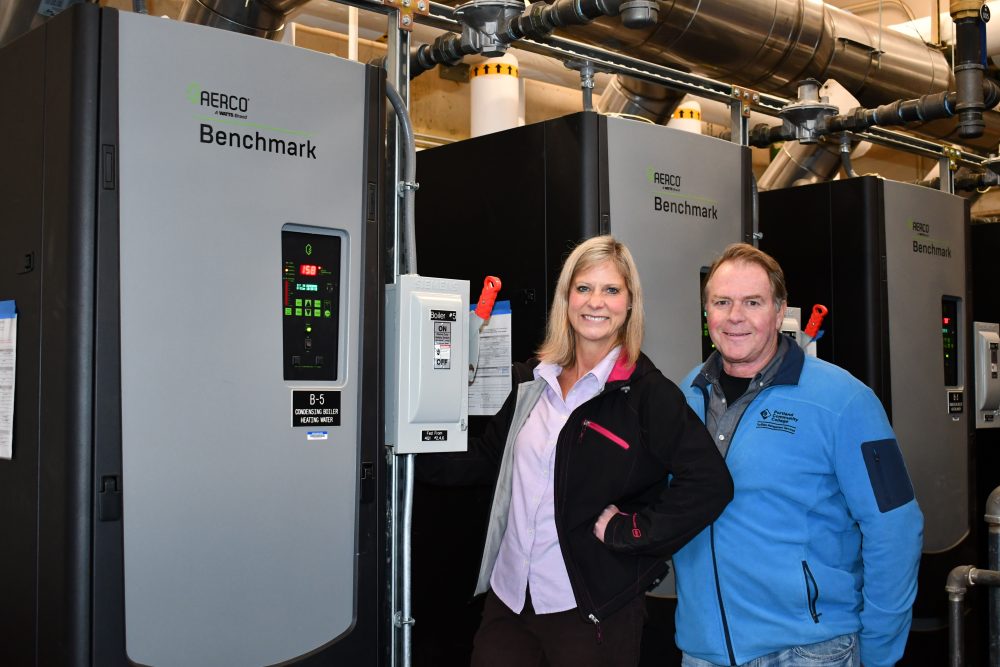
[(487, 297), (819, 312)]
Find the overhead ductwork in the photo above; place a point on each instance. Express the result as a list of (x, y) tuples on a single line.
[(629, 96), (771, 45), (261, 18)]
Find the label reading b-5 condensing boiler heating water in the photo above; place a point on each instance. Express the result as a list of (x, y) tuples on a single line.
[(317, 409)]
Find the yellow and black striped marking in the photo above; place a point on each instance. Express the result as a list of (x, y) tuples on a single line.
[(694, 114), (503, 69)]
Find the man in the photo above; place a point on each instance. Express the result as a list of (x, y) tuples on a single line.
[(815, 560)]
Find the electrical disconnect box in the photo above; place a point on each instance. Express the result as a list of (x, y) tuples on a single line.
[(427, 365), (986, 349)]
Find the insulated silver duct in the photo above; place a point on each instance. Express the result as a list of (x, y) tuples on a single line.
[(801, 164), (626, 95), (261, 18), (771, 45)]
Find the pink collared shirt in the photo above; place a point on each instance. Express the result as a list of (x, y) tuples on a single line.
[(529, 552)]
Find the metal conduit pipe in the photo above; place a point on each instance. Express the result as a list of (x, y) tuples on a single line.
[(845, 155), (261, 18)]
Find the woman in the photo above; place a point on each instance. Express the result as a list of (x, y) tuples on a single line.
[(604, 472)]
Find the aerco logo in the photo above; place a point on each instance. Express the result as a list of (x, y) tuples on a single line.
[(221, 103), (924, 245), (666, 180)]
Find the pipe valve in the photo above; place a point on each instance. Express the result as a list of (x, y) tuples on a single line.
[(805, 119)]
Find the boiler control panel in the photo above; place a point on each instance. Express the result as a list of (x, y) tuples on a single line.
[(310, 303)]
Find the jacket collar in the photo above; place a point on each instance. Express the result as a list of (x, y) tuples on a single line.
[(787, 372), (623, 373)]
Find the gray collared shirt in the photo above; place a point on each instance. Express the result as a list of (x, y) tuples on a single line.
[(721, 419)]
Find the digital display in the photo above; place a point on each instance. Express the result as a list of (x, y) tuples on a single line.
[(308, 269), (949, 339), (307, 287)]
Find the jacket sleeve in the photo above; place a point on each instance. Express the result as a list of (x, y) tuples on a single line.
[(698, 488), (879, 494), (479, 464)]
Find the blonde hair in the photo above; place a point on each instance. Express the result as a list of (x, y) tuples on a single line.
[(559, 346)]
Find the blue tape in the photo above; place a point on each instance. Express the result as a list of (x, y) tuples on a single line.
[(499, 308), (7, 310)]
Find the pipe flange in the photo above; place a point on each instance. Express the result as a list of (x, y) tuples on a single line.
[(637, 14)]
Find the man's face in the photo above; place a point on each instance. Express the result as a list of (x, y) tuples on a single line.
[(743, 321)]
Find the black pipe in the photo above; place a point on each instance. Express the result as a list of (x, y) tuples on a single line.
[(964, 181), (540, 20), (958, 583), (763, 135), (900, 112), (447, 49), (993, 560), (969, 68)]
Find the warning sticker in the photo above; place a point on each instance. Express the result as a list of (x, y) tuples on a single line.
[(315, 408), (442, 345)]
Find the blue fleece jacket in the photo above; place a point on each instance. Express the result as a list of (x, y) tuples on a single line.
[(823, 536)]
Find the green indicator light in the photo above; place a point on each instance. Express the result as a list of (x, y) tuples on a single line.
[(317, 304), (288, 311), (298, 311), (326, 313), (298, 302), (309, 312), (309, 329)]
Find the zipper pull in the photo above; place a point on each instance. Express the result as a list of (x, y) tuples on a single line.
[(597, 623), (635, 527)]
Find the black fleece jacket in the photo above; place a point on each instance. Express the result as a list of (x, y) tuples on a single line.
[(636, 445)]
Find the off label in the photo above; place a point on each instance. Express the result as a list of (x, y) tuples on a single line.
[(315, 408)]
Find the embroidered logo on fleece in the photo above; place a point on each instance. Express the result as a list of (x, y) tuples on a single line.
[(778, 420)]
